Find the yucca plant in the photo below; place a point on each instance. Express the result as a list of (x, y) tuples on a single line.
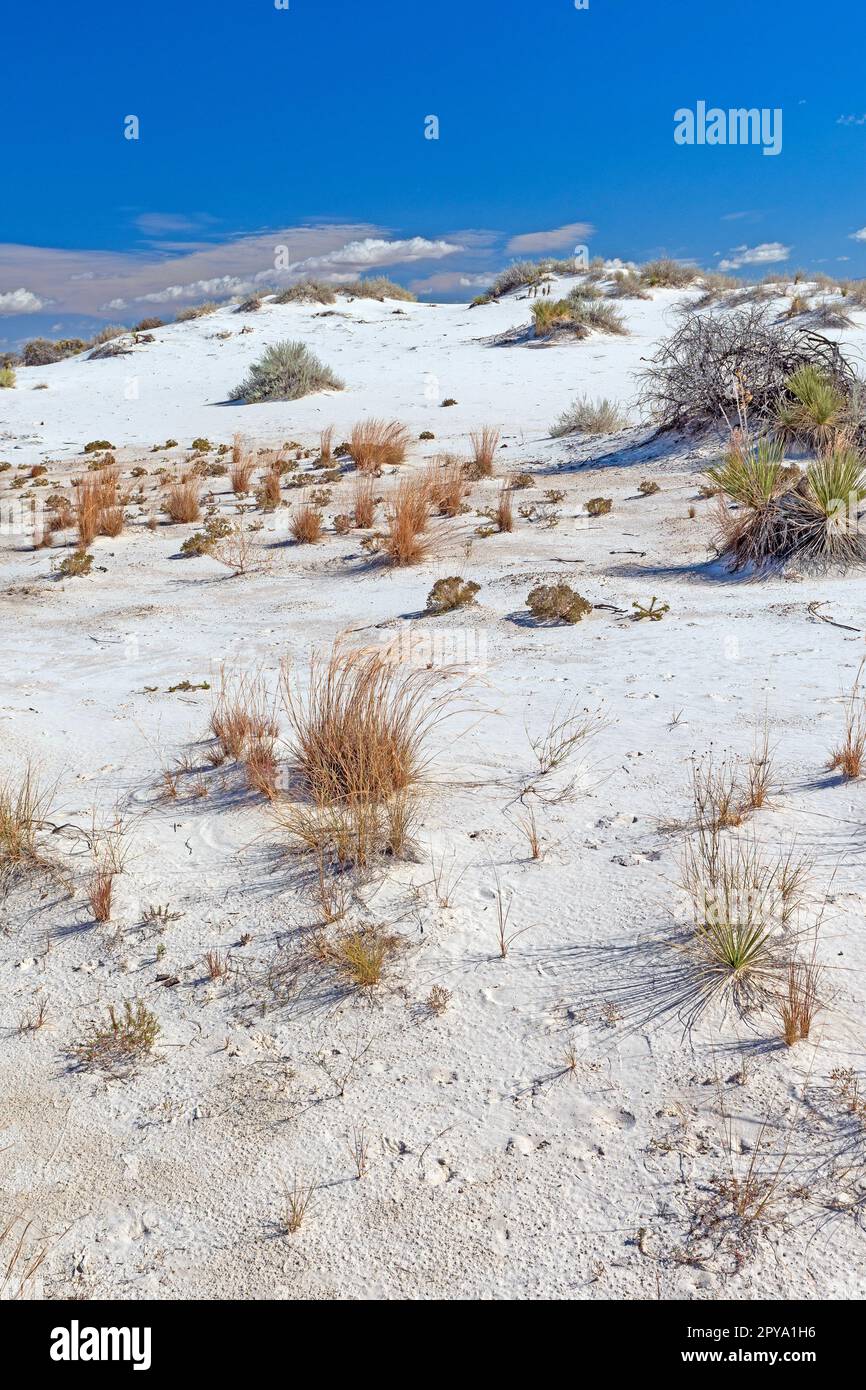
[(837, 483), (752, 473), (818, 408)]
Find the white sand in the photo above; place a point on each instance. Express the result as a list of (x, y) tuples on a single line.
[(494, 1171)]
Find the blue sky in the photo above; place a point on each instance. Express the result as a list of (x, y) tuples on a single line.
[(305, 127)]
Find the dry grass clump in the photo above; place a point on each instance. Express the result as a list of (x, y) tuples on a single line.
[(363, 502), (268, 496), (241, 474), (376, 287), (849, 757), (358, 734), (243, 714), (358, 728), (307, 523), (446, 483), (95, 507), (121, 1041), (504, 513), (99, 892), (182, 501), (25, 805), (627, 285), (361, 955), (377, 444), (407, 515), (599, 506), (557, 603), (307, 292), (576, 316), (587, 416), (800, 1000), (484, 442)]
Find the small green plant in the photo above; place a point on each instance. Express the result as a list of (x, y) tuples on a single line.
[(599, 506), (557, 603), (78, 563), (7, 378), (201, 445), (453, 592), (119, 1042), (96, 446), (203, 542), (655, 614)]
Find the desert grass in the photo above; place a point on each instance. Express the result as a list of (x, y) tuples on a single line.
[(849, 756), (99, 892), (447, 485), (269, 491), (243, 713), (376, 444), (326, 444), (297, 1204), (800, 1000), (120, 1041), (407, 514), (261, 765), (816, 407), (568, 729), (358, 727), (744, 911), (241, 474), (307, 523), (587, 416), (182, 502), (21, 1258), (484, 443), (25, 806), (504, 513), (364, 501)]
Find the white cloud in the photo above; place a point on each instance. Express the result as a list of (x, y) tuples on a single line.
[(533, 243), (376, 251), (859, 236), (20, 302), (766, 254)]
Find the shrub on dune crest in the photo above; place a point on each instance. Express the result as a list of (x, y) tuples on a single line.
[(307, 292), (377, 287), (286, 371), (668, 274)]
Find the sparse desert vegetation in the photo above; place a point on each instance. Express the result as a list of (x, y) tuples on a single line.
[(420, 802)]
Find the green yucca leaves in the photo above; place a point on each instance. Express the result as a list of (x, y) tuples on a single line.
[(751, 477), (836, 481), (821, 401)]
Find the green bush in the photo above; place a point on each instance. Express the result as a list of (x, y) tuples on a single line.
[(557, 603), (287, 371), (453, 592), (7, 377)]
